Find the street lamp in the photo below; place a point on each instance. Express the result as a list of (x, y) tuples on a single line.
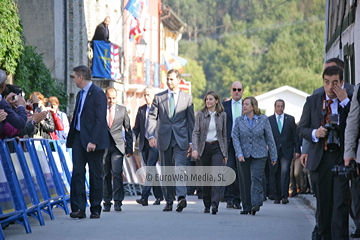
[(141, 47)]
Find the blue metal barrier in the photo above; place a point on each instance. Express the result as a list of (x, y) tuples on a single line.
[(26, 181), (46, 168), (12, 190)]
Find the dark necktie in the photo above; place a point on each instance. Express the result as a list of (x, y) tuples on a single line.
[(327, 119), (78, 108)]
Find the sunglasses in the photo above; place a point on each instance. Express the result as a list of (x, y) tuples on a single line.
[(238, 89)]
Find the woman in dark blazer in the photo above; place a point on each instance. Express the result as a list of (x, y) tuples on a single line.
[(252, 138), (209, 143)]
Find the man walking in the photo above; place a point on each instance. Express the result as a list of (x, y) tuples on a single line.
[(171, 123), (233, 109), (117, 120), (149, 154), (88, 137), (288, 146)]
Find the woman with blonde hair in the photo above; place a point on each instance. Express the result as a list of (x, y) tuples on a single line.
[(252, 137), (209, 142)]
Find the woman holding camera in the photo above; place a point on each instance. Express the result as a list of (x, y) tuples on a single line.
[(46, 126), (210, 144), (252, 138)]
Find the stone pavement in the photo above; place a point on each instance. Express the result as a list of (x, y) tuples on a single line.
[(274, 221)]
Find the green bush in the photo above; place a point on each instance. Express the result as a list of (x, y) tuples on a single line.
[(33, 76), (10, 36)]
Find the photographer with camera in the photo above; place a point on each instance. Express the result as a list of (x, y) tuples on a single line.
[(323, 124), (352, 158)]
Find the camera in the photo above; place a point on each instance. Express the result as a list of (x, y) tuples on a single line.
[(333, 141), (351, 172)]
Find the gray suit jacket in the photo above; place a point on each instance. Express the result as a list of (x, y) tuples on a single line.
[(122, 121), (201, 129), (254, 141), (181, 124), (352, 129)]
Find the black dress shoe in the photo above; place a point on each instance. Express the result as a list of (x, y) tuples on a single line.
[(106, 207), (181, 205), (207, 210), (95, 215), (117, 206), (167, 208), (214, 210), (277, 202), (271, 197), (285, 200), (79, 214), (157, 202), (142, 201), (244, 212), (355, 234), (254, 209)]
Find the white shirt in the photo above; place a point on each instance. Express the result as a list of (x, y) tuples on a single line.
[(211, 135)]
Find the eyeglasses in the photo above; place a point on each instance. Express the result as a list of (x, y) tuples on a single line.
[(238, 89)]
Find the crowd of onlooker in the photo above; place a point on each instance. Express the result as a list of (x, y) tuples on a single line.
[(38, 117)]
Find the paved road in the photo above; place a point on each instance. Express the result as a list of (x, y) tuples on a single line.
[(292, 221)]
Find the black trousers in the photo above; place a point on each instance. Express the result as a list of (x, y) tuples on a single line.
[(332, 198), (113, 169), (212, 156), (80, 158), (151, 156), (280, 177)]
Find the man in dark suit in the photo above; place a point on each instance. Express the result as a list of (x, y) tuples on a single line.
[(233, 109), (332, 193), (149, 154), (88, 137), (171, 123), (347, 86), (118, 120), (17, 118), (102, 30), (288, 147)]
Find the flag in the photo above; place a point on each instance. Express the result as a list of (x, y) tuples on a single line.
[(134, 7), (106, 60), (174, 62), (138, 9)]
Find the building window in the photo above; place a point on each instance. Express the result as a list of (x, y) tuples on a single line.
[(349, 61)]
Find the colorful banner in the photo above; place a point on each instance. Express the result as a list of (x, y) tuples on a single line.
[(106, 60)]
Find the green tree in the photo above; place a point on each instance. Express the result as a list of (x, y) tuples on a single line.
[(198, 83), (10, 40), (33, 76)]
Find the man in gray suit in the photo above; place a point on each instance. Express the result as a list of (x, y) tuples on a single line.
[(352, 152), (171, 122), (118, 120)]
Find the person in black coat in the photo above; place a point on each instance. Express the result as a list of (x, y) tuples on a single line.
[(88, 137), (102, 31)]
